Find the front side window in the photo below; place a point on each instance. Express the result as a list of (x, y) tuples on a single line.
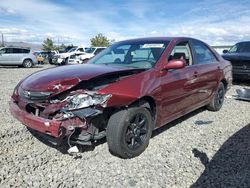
[(9, 50), (25, 51), (131, 54), (243, 47), (72, 50), (182, 51), (233, 49), (90, 50), (203, 54)]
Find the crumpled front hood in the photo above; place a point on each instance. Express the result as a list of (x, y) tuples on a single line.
[(62, 78)]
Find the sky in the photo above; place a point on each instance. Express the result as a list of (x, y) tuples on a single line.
[(217, 22)]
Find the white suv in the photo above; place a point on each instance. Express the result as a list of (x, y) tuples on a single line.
[(90, 52), (17, 56), (63, 58)]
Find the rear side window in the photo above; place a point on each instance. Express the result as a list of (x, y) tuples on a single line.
[(202, 53), (20, 51), (25, 51), (17, 51)]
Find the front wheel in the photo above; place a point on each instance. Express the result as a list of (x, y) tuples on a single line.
[(129, 131), (27, 63), (85, 61), (218, 99)]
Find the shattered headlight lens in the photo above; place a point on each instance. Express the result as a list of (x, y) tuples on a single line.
[(85, 100)]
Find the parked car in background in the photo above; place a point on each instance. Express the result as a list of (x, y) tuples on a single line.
[(239, 56), (17, 56), (123, 93), (75, 58), (46, 56), (63, 58), (90, 52)]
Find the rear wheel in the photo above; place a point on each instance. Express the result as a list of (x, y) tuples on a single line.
[(218, 99), (27, 63), (129, 131)]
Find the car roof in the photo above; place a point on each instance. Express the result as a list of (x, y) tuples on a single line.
[(243, 42), (27, 48), (155, 39)]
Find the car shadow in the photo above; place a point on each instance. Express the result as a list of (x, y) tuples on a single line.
[(230, 166)]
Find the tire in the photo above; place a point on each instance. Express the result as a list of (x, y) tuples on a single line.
[(27, 63), (85, 61), (65, 62), (218, 99), (129, 131)]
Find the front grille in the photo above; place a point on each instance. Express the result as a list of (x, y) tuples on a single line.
[(34, 95)]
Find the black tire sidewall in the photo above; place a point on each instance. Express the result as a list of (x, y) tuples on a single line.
[(124, 150), (216, 105)]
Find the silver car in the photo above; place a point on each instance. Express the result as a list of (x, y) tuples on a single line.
[(17, 56)]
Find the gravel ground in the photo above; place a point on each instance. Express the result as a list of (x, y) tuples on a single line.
[(202, 149)]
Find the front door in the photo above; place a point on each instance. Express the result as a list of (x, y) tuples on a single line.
[(179, 87), (5, 56)]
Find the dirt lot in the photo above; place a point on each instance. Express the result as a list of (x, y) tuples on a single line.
[(202, 149)]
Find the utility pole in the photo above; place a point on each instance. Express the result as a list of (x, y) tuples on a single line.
[(2, 40)]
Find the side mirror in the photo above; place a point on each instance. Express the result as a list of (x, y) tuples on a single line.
[(225, 51), (175, 64)]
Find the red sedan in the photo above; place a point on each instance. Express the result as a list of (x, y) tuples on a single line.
[(125, 92)]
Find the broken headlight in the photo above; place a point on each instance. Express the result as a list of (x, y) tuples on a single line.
[(85, 100)]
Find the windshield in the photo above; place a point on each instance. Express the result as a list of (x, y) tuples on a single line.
[(131, 54), (72, 50), (90, 50), (240, 47)]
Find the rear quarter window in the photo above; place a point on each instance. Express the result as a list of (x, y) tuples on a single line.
[(25, 51)]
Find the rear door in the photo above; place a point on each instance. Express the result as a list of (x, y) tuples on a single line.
[(17, 56), (208, 70)]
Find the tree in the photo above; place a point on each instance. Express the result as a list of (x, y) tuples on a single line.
[(100, 40), (48, 45), (60, 47)]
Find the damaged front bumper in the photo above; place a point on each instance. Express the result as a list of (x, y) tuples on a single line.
[(55, 130), (46, 126)]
